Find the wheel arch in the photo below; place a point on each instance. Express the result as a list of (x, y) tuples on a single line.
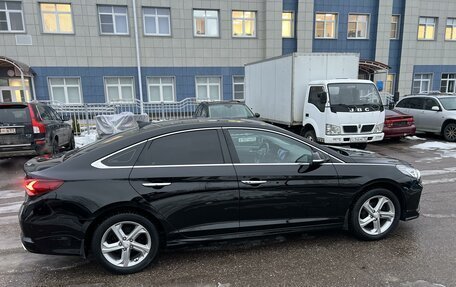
[(447, 121)]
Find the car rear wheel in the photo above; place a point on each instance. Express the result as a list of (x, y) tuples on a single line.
[(449, 132), (375, 214), (125, 243)]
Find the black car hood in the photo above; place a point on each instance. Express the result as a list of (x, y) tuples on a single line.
[(361, 156), (43, 162)]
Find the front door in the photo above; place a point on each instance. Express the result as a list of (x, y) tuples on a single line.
[(188, 179), (279, 185)]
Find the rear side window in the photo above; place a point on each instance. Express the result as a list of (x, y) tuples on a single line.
[(315, 95), (44, 113), (126, 157), (195, 147), (14, 114)]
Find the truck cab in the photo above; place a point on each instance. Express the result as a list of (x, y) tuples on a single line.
[(343, 111)]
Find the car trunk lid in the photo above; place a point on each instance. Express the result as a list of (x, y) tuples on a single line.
[(16, 128)]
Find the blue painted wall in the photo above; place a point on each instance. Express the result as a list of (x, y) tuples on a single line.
[(93, 83), (290, 45), (436, 70), (366, 48)]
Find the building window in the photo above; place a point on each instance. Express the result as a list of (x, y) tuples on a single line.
[(390, 83), (113, 19), (426, 28), (208, 88), (11, 17), (161, 89), (238, 88), (157, 21), (450, 30), (65, 90), (448, 83), (395, 21), (421, 83), (119, 89), (56, 18), (358, 26), (325, 26), (287, 25), (244, 23), (206, 23)]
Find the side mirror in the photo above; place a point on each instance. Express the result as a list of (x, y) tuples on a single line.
[(322, 97), (257, 115), (65, 118), (317, 159), (435, 108)]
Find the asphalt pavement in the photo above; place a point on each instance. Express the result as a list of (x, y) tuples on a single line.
[(420, 253)]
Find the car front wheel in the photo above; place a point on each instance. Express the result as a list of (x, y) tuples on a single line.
[(375, 214), (449, 132), (125, 243)]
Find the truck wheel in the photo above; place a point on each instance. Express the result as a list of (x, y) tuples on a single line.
[(449, 132), (359, 145), (310, 135)]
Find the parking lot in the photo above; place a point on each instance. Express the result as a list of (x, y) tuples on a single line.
[(420, 253)]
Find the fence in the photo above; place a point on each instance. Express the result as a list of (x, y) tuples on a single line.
[(83, 115)]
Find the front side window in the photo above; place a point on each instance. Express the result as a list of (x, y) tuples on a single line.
[(238, 88), (358, 26), (390, 83), (161, 89), (244, 23), (208, 88), (119, 89), (426, 28), (450, 30), (421, 83), (317, 97), (429, 103), (448, 83), (193, 147), (157, 21), (254, 146), (113, 19), (394, 34), (325, 26), (65, 90), (11, 17), (57, 18), (287, 25), (206, 23), (412, 103)]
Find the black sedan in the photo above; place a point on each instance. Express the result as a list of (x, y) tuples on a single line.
[(123, 198)]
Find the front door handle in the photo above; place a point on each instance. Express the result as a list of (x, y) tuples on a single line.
[(254, 182), (156, 184)]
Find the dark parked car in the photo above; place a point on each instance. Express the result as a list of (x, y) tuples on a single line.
[(224, 110), (32, 129), (398, 125), (172, 183)]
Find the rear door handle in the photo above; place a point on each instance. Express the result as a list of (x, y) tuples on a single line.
[(254, 182), (156, 184)]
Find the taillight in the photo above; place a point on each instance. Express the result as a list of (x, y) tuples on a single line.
[(389, 123), (37, 186), (38, 127), (410, 121)]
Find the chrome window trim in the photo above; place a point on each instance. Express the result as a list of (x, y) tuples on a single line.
[(98, 163)]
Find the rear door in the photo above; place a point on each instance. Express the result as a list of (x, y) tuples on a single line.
[(188, 178), (413, 106), (16, 129)]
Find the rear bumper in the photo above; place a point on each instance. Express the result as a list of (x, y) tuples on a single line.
[(21, 150), (399, 131)]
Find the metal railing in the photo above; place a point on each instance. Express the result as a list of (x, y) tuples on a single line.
[(82, 116)]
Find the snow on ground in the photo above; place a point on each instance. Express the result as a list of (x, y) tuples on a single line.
[(85, 138), (445, 149), (415, 138)]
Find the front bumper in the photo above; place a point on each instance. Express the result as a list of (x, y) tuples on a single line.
[(352, 138)]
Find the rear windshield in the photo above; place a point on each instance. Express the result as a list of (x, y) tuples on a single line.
[(14, 114)]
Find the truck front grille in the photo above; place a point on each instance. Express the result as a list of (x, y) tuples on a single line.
[(367, 128)]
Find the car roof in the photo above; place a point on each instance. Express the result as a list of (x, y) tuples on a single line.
[(13, 104), (438, 96), (222, 103)]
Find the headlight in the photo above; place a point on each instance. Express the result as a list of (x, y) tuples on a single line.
[(378, 128), (332, 129), (410, 171)]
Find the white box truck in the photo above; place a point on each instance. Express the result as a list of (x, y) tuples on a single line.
[(317, 95)]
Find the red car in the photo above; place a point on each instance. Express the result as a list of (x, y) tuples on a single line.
[(398, 125)]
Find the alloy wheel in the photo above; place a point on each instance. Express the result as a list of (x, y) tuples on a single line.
[(450, 132), (376, 215), (125, 244)]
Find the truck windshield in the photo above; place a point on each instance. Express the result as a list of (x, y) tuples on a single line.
[(353, 97)]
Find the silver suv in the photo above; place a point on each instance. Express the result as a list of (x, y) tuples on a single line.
[(432, 113)]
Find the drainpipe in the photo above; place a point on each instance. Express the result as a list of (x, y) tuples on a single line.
[(33, 87), (138, 58)]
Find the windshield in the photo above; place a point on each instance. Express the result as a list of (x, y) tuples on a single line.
[(353, 97), (230, 111), (448, 103), (14, 114)]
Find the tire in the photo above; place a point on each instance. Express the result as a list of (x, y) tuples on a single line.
[(449, 132), (139, 256), (71, 145), (388, 223), (359, 146), (55, 146), (310, 135)]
